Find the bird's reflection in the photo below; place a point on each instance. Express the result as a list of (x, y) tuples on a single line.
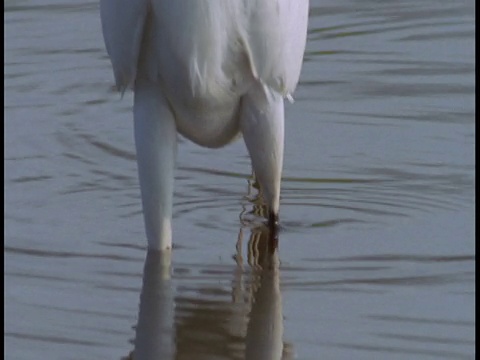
[(264, 335), (154, 334), (248, 327)]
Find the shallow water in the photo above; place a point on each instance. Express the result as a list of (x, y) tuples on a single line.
[(376, 254)]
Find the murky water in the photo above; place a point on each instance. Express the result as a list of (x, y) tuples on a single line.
[(376, 255)]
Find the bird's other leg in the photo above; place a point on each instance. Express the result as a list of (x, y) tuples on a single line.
[(156, 143), (262, 125)]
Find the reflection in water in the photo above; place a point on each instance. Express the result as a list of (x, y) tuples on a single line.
[(154, 334), (264, 338), (249, 327)]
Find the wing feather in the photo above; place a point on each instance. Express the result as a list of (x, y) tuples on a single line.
[(275, 41), (273, 33), (123, 23)]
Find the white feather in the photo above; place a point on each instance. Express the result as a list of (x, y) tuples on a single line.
[(207, 37)]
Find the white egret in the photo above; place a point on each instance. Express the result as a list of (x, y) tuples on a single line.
[(210, 70)]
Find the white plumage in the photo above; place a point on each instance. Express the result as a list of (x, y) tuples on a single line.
[(211, 70)]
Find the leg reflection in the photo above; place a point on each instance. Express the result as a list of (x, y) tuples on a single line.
[(197, 319), (154, 334), (264, 333)]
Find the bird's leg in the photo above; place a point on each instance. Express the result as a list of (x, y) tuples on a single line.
[(273, 227), (156, 143), (262, 125)]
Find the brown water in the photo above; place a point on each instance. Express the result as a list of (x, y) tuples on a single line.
[(376, 256)]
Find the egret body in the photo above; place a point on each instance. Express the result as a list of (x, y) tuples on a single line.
[(211, 70)]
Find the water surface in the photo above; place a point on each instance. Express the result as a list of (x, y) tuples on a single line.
[(376, 255)]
